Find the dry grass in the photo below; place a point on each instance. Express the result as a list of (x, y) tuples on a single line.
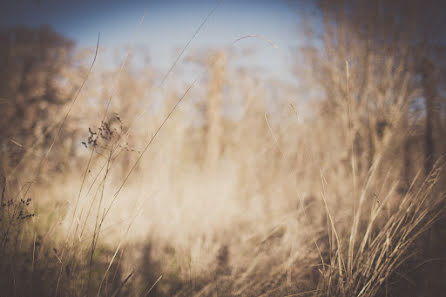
[(276, 201)]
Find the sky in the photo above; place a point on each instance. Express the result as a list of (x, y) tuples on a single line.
[(168, 25)]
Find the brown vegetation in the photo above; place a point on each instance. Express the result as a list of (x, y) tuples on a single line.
[(341, 195)]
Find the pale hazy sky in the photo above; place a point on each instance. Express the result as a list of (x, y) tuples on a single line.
[(169, 24)]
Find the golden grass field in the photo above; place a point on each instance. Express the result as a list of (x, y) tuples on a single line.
[(114, 185)]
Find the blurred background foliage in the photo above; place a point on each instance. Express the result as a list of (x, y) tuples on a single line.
[(253, 187)]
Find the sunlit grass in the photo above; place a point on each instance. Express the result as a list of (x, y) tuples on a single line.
[(186, 201)]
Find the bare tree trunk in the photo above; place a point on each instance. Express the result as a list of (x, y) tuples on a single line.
[(213, 110), (3, 187), (434, 240), (430, 95), (406, 142)]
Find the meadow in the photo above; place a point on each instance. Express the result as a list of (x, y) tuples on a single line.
[(114, 184)]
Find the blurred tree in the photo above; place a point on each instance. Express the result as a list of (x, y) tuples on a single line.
[(33, 88), (381, 66), (376, 60)]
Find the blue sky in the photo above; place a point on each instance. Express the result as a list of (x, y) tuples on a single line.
[(169, 24)]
